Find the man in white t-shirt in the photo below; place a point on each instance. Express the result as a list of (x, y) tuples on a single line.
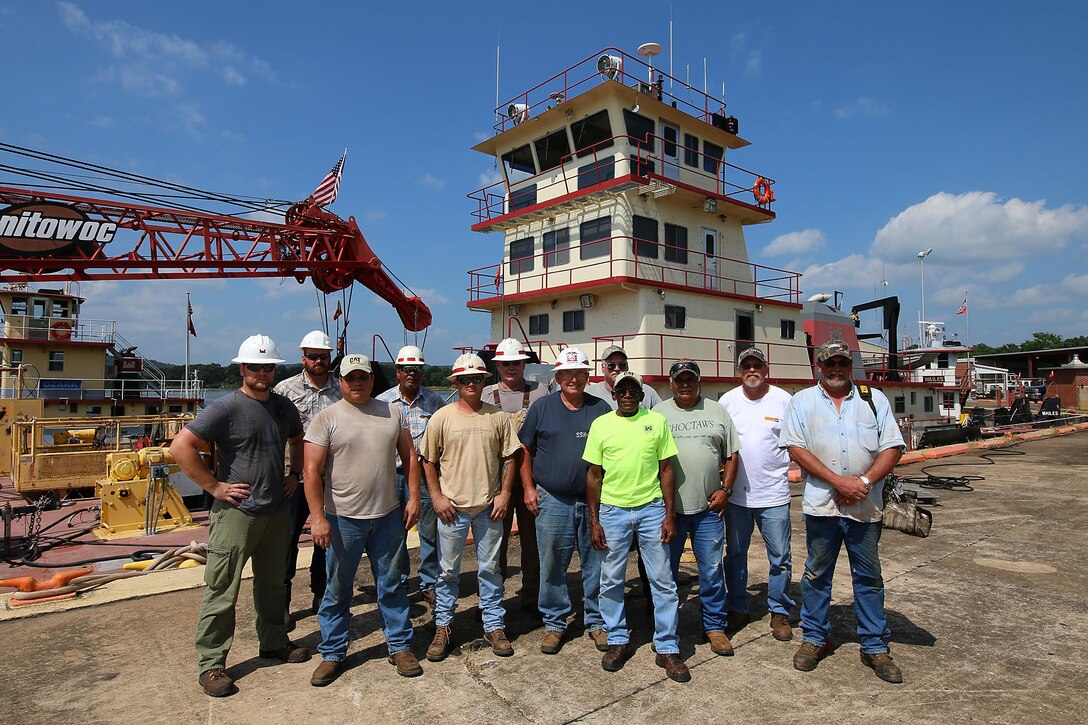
[(761, 494)]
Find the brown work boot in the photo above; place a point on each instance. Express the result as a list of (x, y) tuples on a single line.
[(675, 668), (552, 642), (216, 682), (882, 665), (428, 597), (719, 643), (325, 673), (600, 639), (500, 645), (781, 628), (737, 620), (809, 655), (614, 657), (407, 664), (440, 645), (290, 653)]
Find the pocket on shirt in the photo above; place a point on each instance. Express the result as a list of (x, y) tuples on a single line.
[(869, 437)]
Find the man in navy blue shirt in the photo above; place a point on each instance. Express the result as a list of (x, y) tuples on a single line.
[(553, 476)]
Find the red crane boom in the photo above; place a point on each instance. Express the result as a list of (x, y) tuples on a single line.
[(47, 236)]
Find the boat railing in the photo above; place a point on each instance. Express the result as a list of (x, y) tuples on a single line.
[(58, 329), (595, 167), (148, 370), (104, 390), (630, 70), (621, 256)]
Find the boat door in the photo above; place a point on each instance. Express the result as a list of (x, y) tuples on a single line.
[(745, 321), (710, 259), (670, 151)]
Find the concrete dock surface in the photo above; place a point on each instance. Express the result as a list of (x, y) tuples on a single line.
[(989, 618)]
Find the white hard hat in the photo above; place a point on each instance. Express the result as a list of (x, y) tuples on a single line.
[(316, 340), (258, 349), (509, 350), (468, 364), (410, 355), (572, 359)]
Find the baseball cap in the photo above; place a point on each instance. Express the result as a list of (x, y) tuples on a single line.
[(832, 348), (351, 363), (627, 375), (684, 366), (752, 352), (612, 350)]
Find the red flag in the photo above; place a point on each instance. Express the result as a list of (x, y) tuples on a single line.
[(326, 191), (336, 315), (963, 308), (192, 330)]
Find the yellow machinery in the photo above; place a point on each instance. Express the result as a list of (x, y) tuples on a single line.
[(137, 496)]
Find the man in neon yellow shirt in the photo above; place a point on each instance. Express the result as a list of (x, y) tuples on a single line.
[(631, 493)]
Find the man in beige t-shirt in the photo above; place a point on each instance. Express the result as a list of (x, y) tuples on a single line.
[(468, 454)]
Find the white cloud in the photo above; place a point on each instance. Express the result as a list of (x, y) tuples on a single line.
[(1077, 285), (103, 122), (480, 136), (1035, 295), (232, 76), (489, 177), (977, 226), (862, 106), (432, 182), (849, 272), (374, 215), (751, 59), (803, 242), (432, 297)]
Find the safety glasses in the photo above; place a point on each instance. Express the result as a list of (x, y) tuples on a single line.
[(616, 366), (471, 380), (265, 368), (314, 357), (409, 369), (357, 377)]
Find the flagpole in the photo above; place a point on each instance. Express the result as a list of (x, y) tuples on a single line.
[(967, 320), (188, 323)]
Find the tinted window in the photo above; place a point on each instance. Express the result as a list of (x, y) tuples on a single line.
[(676, 317), (521, 256), (712, 157), (519, 164), (640, 129), (594, 238), (538, 324), (556, 247), (551, 149), (789, 331), (523, 197), (592, 132), (574, 320), (644, 230), (691, 150), (676, 243), (595, 173)]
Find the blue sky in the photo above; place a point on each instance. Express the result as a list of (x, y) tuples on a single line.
[(889, 127)]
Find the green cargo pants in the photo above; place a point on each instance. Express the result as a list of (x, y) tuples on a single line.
[(234, 538)]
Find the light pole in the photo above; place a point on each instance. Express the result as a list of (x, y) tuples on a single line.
[(922, 263)]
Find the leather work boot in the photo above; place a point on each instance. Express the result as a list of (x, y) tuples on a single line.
[(719, 643), (614, 657), (428, 597), (781, 628), (325, 673), (809, 655), (407, 664), (883, 666), (500, 645), (440, 645), (675, 668), (216, 682), (290, 653), (552, 642), (737, 620), (600, 639)]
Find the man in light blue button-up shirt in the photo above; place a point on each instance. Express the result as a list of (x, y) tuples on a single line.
[(845, 441)]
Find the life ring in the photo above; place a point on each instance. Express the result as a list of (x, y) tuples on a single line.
[(61, 330), (761, 190)]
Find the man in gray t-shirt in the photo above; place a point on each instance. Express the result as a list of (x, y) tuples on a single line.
[(250, 518), (704, 468)]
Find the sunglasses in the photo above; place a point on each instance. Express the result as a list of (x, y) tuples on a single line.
[(357, 377), (409, 369), (471, 380), (512, 363), (317, 356), (616, 366), (265, 368), (628, 392), (757, 365), (838, 362)]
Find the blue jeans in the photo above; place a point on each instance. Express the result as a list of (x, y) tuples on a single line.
[(562, 526), (774, 525), (643, 523), (707, 540), (825, 535), (488, 537), (382, 540), (427, 528)]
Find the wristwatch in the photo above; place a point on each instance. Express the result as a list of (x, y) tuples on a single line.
[(728, 491), (867, 482)]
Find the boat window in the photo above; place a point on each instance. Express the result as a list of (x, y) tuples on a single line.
[(523, 197), (948, 400), (927, 404), (789, 329), (592, 133), (640, 129), (676, 317), (538, 324), (942, 361), (60, 308), (18, 306), (644, 230), (521, 256), (691, 150), (556, 247), (597, 172), (174, 409), (676, 243), (56, 361), (518, 164), (594, 238), (913, 397), (553, 149), (900, 404), (39, 308), (574, 320), (712, 157), (96, 410), (16, 357)]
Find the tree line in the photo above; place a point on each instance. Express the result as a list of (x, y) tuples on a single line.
[(1038, 341)]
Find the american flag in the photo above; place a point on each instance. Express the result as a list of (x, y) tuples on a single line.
[(963, 308), (192, 330), (326, 191)]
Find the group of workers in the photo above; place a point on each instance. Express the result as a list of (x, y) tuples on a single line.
[(601, 470)]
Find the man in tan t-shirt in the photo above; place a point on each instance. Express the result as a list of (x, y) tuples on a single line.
[(468, 454), (354, 443)]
